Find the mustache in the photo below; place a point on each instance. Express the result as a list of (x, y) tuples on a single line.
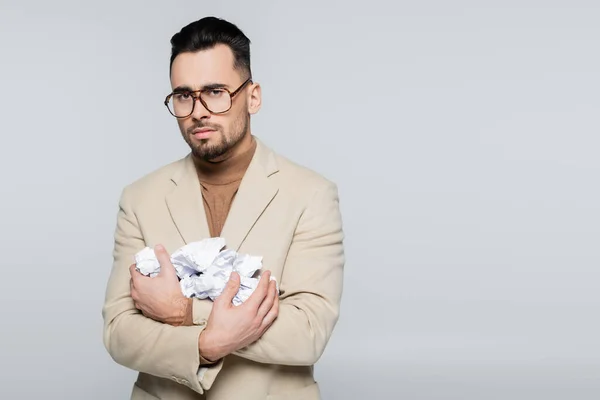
[(191, 129)]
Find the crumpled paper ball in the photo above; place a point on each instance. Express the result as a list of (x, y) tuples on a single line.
[(204, 268)]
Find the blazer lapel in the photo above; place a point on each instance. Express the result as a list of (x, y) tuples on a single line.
[(255, 193), (186, 205)]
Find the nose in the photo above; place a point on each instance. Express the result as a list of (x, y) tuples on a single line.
[(200, 111)]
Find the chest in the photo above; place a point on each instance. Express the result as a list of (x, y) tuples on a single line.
[(269, 235)]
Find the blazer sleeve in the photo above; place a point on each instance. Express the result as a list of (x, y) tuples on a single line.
[(311, 289), (138, 342)]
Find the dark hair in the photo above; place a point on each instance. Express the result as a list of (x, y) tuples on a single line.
[(207, 33)]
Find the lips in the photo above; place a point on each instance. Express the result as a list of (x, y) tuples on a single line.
[(202, 133), (202, 130)]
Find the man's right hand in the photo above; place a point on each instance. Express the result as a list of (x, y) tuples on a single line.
[(229, 327)]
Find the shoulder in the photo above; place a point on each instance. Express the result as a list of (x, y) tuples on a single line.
[(301, 181), (310, 193), (156, 181)]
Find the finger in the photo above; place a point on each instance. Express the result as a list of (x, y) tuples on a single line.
[(166, 267), (230, 290), (137, 305), (272, 314), (133, 271), (257, 297), (267, 303)]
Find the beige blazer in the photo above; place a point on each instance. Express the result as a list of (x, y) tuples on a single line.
[(283, 212)]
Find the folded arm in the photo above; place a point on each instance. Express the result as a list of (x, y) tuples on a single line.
[(133, 340), (311, 287)]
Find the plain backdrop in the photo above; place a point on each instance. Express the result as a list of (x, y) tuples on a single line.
[(464, 137)]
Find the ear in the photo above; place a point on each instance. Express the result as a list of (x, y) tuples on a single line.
[(254, 98)]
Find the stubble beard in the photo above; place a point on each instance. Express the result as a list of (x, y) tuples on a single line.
[(217, 146)]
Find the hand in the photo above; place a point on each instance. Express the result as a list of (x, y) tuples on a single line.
[(160, 297), (230, 328)]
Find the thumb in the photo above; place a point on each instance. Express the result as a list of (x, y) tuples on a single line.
[(166, 268), (231, 289)]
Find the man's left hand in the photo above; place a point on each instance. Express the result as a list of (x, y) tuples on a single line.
[(159, 298)]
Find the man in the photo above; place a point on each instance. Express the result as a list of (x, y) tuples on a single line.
[(233, 186)]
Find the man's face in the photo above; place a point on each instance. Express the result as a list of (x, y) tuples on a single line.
[(210, 136)]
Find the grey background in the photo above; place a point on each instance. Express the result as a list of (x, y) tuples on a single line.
[(464, 139)]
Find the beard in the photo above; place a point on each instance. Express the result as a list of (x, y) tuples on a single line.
[(220, 142)]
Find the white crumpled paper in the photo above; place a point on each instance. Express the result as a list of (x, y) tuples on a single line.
[(204, 268)]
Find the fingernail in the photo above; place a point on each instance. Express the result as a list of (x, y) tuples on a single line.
[(159, 247), (235, 276)]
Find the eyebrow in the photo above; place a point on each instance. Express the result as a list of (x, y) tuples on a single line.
[(209, 86)]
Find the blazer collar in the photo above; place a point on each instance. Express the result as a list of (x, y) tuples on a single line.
[(256, 191)]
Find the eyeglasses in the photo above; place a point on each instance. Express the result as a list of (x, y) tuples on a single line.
[(181, 103)]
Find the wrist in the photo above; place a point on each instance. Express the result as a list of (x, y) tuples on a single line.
[(188, 312), (207, 347), (182, 312)]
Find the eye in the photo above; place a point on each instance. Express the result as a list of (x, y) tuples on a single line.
[(182, 96), (215, 92)]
